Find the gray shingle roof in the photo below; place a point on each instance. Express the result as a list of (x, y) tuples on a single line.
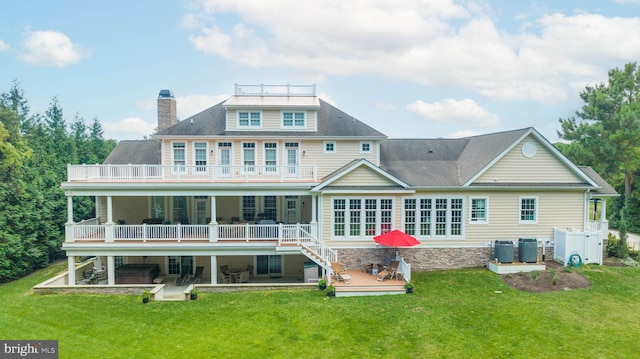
[(332, 122), (145, 152), (605, 188), (443, 162)]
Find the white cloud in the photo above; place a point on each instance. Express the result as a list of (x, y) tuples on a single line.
[(130, 128), (51, 48), (434, 43), (461, 134), (465, 113), (4, 46)]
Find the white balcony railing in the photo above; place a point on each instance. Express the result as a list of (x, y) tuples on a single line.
[(143, 173), (275, 90), (181, 232)]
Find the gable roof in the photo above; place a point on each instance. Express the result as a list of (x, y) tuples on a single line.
[(143, 152), (443, 162), (331, 122), (605, 188), (352, 166)]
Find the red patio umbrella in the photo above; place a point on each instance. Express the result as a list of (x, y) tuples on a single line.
[(396, 238)]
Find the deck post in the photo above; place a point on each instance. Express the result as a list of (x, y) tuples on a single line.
[(71, 268), (214, 269)]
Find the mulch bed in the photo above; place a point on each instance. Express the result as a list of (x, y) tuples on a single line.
[(542, 281)]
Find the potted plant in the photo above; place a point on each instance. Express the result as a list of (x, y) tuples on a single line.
[(322, 284), (146, 296), (331, 291), (194, 293), (409, 287)]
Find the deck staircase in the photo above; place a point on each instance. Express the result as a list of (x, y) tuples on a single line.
[(310, 246)]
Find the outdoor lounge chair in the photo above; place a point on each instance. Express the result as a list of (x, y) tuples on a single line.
[(197, 276), (185, 274), (381, 276), (338, 272)]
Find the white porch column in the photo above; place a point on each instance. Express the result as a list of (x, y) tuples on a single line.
[(109, 209), (214, 213), (214, 269), (213, 223), (71, 268), (109, 225), (314, 215), (111, 270), (69, 207)]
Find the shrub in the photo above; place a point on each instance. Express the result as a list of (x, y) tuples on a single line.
[(535, 275), (553, 275)]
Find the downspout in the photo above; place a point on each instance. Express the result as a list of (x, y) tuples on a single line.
[(585, 209)]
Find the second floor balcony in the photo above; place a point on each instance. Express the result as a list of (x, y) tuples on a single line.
[(184, 173)]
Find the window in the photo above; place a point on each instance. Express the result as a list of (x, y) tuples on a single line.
[(119, 261), (339, 211), (293, 120), (200, 156), (179, 160), (157, 207), (528, 210), (365, 147), (248, 208), (359, 218), (329, 147), (249, 156), (270, 208), (270, 156), (429, 217), (252, 119), (478, 211)]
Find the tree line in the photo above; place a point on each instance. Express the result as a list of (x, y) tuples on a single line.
[(605, 134), (34, 152)]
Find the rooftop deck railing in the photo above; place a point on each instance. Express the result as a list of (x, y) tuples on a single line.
[(275, 90), (178, 173)]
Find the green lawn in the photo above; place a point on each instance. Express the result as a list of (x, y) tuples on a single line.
[(452, 314)]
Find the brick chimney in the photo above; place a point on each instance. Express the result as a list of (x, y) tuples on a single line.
[(167, 116)]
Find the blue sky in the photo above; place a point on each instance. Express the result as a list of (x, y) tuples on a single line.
[(408, 68)]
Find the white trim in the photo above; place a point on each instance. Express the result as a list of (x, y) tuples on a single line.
[(486, 210), (293, 120), (206, 155), (249, 126), (377, 222), (535, 215), (173, 160), (432, 211), (548, 145), (264, 155), (362, 143), (324, 147), (354, 166)]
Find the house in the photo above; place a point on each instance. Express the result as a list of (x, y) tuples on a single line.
[(274, 178)]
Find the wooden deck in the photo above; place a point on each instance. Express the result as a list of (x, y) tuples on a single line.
[(363, 284)]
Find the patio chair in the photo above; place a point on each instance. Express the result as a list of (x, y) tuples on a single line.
[(224, 278), (197, 276), (185, 274), (338, 271), (243, 277), (224, 269)]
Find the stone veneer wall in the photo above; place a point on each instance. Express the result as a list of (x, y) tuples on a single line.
[(425, 259)]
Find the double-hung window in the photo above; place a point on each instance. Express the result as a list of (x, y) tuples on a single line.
[(179, 159), (270, 157), (293, 119), (528, 210), (478, 211), (249, 119), (200, 156), (249, 156)]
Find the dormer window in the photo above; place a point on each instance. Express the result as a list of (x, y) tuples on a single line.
[(249, 119), (292, 119)]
